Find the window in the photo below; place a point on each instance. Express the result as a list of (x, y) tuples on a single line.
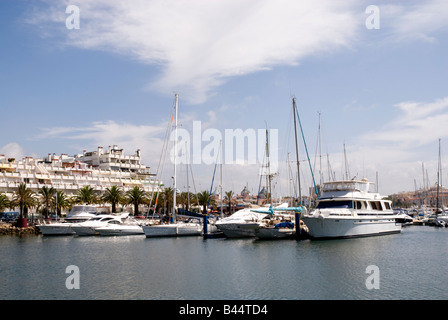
[(360, 205), (335, 204), (376, 205)]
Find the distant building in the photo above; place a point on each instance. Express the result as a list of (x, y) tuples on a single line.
[(99, 169)]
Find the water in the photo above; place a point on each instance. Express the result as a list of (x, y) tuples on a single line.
[(412, 265)]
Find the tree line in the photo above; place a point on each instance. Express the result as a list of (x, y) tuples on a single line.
[(48, 200)]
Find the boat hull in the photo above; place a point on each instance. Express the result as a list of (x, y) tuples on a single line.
[(172, 230), (84, 231), (323, 228), (238, 230), (56, 229), (123, 231), (275, 233)]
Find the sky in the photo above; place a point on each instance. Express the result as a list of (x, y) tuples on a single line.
[(369, 78)]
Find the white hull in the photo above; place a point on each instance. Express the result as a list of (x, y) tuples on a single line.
[(56, 229), (350, 227), (173, 230), (124, 230), (274, 233), (241, 224), (239, 230), (84, 230)]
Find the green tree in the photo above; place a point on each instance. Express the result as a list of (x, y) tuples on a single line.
[(24, 198), (136, 196), (62, 201), (203, 200), (47, 194), (228, 198), (167, 198), (113, 195), (86, 195), (4, 202)]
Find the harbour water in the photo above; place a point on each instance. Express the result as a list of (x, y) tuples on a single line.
[(411, 265)]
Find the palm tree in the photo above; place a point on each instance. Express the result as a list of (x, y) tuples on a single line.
[(229, 196), (47, 194), (24, 198), (4, 202), (203, 200), (167, 197), (113, 195), (136, 196), (185, 199), (86, 195), (62, 201)]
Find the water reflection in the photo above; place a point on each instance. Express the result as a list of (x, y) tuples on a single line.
[(411, 266)]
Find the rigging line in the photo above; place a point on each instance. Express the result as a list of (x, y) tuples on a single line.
[(157, 176), (161, 164), (213, 179), (306, 149)]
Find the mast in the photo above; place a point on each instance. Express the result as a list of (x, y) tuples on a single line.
[(438, 180), (188, 184), (222, 198), (175, 155), (294, 108), (268, 164), (320, 152)]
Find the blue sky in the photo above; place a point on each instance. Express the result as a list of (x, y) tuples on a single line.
[(235, 64)]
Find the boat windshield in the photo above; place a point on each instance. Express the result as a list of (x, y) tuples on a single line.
[(88, 209), (345, 204)]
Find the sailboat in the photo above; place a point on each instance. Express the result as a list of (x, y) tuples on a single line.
[(192, 227), (285, 223)]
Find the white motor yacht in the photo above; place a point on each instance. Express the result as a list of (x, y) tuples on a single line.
[(89, 227), (192, 227), (76, 215), (116, 228), (347, 209), (244, 222)]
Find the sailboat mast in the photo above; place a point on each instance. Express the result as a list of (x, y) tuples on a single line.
[(438, 179), (268, 165), (294, 108), (175, 155)]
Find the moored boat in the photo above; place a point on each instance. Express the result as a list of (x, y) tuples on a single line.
[(347, 209), (76, 215), (130, 227), (89, 227)]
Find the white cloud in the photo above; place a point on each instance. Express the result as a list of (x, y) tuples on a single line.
[(12, 150), (199, 44), (417, 20), (418, 123), (128, 136)]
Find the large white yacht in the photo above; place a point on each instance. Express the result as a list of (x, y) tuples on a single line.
[(347, 209), (76, 215), (89, 227)]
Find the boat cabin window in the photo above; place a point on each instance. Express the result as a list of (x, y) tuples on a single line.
[(376, 205), (387, 205), (360, 205), (335, 204)]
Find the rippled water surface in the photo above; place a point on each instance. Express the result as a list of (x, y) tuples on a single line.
[(412, 265)]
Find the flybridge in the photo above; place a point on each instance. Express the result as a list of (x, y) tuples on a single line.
[(347, 185)]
